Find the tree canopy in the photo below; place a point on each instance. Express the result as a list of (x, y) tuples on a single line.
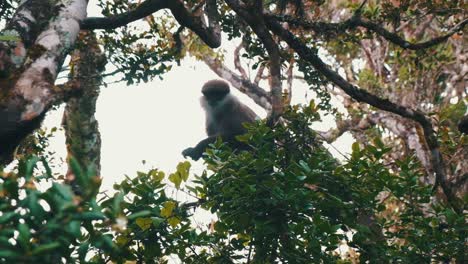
[(397, 67)]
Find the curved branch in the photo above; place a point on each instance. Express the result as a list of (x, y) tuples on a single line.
[(237, 62), (395, 39), (211, 34), (143, 10), (357, 21), (361, 95), (259, 74)]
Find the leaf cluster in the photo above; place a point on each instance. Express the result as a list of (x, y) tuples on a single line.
[(285, 200)]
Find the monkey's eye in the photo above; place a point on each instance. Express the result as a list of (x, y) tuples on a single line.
[(214, 97)]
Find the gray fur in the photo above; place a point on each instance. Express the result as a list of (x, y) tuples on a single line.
[(225, 116)]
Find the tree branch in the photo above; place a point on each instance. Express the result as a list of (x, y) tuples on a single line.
[(259, 74), (356, 21), (211, 34), (237, 63), (253, 16), (395, 39), (289, 82), (361, 95), (24, 28), (30, 94), (143, 10)]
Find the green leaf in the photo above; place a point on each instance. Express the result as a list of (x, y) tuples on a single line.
[(157, 221), (157, 175), (4, 243), (45, 248), (378, 142), (24, 235), (176, 179), (64, 191), (89, 216), (139, 214), (168, 208), (301, 177), (79, 174), (8, 254), (83, 249), (118, 198), (183, 168), (30, 165), (7, 216), (305, 166), (173, 221), (144, 223), (355, 147), (74, 228), (9, 38)]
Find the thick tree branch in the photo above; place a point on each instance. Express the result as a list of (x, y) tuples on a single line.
[(394, 38), (143, 10), (83, 139), (211, 10), (253, 16), (356, 21), (211, 34), (343, 126), (361, 95), (29, 95)]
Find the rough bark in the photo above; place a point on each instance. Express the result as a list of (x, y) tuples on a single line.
[(83, 139), (45, 31)]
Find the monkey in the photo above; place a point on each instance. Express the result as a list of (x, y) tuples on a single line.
[(225, 116)]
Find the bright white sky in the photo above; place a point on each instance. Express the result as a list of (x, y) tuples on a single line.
[(155, 121)]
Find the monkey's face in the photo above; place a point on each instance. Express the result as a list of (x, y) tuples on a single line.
[(215, 93), (214, 98)]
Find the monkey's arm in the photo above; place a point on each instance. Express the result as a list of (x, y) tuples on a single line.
[(196, 152)]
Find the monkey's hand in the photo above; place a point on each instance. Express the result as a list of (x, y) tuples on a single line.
[(192, 153)]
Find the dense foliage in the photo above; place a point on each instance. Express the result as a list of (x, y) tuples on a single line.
[(285, 200)]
